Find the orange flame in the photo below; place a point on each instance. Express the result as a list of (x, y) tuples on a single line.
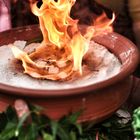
[(62, 39)]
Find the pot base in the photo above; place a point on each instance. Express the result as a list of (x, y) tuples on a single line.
[(96, 105)]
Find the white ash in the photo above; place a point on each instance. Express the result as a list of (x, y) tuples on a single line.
[(104, 66), (53, 70)]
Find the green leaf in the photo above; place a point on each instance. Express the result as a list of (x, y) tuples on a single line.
[(42, 121), (32, 132), (11, 115), (22, 133), (74, 116), (79, 128), (47, 136), (136, 122), (8, 132), (72, 135), (35, 108), (54, 127), (20, 123), (3, 121), (107, 124), (62, 133), (28, 132)]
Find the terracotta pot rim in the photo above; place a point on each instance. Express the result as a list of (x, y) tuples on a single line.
[(124, 73)]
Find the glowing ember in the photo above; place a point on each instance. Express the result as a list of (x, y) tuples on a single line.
[(61, 52)]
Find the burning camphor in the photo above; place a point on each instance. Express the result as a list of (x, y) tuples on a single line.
[(63, 47)]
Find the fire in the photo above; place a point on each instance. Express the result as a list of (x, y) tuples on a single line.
[(61, 52)]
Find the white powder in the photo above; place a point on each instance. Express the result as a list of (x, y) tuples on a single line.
[(109, 67)]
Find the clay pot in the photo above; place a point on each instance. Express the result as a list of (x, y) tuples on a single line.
[(98, 100)]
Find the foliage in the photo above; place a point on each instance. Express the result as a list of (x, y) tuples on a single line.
[(36, 126), (136, 123)]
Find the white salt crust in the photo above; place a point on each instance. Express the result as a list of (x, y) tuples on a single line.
[(109, 67)]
